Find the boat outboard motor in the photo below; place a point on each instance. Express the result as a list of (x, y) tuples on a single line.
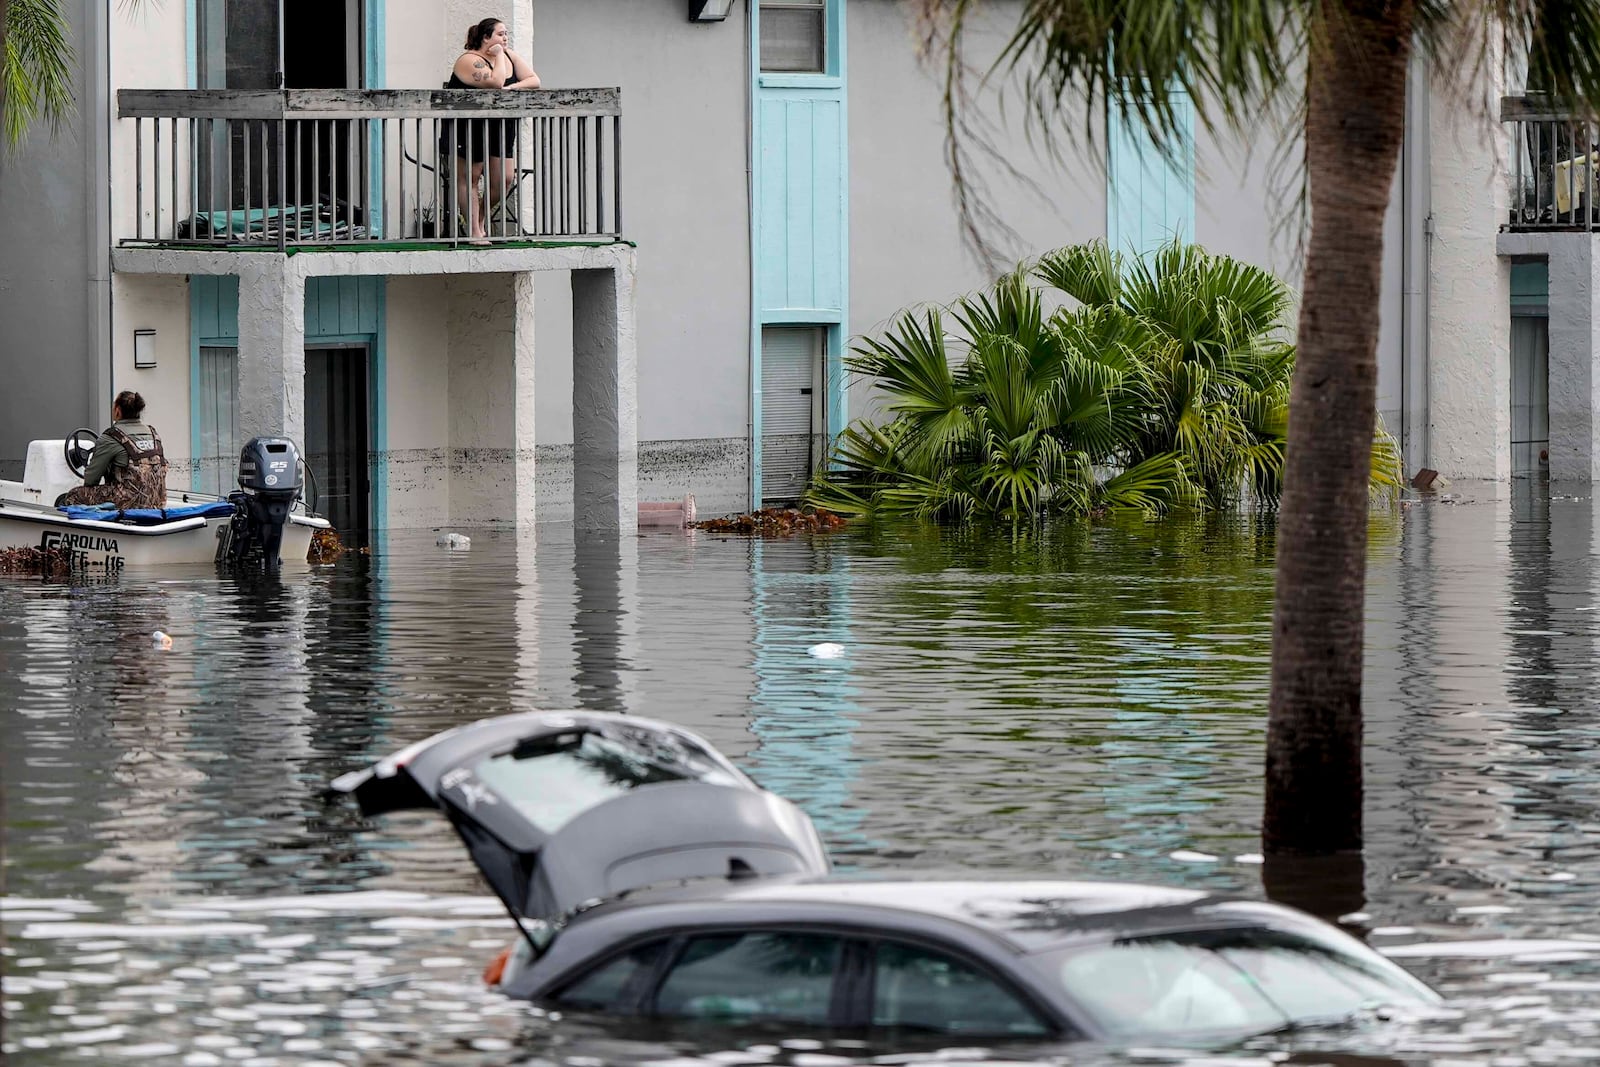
[(269, 483)]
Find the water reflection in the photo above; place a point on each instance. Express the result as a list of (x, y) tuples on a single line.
[(803, 715), (1074, 701)]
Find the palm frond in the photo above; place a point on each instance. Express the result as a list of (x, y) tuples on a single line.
[(36, 68)]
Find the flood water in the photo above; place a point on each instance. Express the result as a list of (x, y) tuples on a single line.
[(1084, 702)]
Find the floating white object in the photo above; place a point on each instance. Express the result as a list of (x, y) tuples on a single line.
[(455, 540), (1184, 855), (161, 640), (826, 650)]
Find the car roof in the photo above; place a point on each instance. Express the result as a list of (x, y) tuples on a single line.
[(1028, 913)]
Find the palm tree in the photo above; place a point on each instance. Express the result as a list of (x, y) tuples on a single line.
[(1342, 64), (1168, 384), (36, 67), (1016, 431)]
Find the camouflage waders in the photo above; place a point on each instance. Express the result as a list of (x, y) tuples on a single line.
[(141, 484)]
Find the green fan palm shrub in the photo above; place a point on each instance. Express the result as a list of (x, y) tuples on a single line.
[(1166, 384)]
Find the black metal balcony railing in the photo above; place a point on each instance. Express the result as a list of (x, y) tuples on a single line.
[(1554, 153), (331, 167)]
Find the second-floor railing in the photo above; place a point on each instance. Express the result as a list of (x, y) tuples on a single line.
[(1554, 153), (332, 167)]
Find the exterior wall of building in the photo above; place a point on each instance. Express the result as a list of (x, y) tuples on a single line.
[(1469, 341), (55, 376), (686, 206), (418, 372), (906, 246), (160, 303)]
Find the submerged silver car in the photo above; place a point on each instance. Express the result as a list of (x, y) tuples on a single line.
[(650, 877)]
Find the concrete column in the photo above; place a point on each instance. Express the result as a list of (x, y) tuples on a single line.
[(481, 318), (1469, 314), (1574, 444), (524, 444), (272, 347), (605, 404)]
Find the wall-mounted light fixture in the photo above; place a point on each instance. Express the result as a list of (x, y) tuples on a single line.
[(144, 348), (709, 10)]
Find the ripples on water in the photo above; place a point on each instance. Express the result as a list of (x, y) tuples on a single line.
[(1082, 702)]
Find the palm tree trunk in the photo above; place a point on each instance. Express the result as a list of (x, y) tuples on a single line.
[(1355, 122)]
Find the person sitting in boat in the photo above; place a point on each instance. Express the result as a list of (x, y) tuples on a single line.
[(128, 467)]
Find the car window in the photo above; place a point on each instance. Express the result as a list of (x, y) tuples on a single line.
[(919, 988), (1247, 979), (550, 780), (613, 986), (1154, 986), (1309, 980), (785, 977)]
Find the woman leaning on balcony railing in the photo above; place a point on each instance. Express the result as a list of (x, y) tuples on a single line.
[(479, 144)]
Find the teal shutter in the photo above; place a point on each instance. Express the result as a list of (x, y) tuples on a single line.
[(1149, 195)]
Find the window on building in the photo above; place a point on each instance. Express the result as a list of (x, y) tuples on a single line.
[(794, 36)]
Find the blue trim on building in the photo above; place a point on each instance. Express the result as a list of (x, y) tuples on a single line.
[(191, 43), (799, 223), (374, 75)]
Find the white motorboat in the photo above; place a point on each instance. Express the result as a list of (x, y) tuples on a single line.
[(193, 528)]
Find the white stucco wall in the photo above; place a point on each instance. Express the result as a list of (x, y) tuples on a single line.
[(159, 303), (148, 50), (685, 203), (417, 368), (906, 247), (1469, 348), (480, 315)]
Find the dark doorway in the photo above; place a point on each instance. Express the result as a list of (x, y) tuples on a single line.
[(337, 438), (236, 159), (321, 51)]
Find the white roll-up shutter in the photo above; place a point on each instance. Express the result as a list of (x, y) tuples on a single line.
[(790, 359)]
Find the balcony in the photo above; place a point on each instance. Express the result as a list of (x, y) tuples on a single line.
[(356, 170), (1554, 152)]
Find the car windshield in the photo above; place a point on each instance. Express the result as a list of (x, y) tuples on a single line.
[(1232, 979), (551, 780)]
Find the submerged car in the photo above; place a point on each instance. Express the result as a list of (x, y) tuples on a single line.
[(650, 877)]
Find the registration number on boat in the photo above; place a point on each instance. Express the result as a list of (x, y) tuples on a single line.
[(82, 546)]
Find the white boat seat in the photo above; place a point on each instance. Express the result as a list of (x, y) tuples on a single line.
[(46, 475)]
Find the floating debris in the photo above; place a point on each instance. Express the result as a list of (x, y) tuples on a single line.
[(161, 640), (774, 522), (454, 541), (325, 546), (48, 562), (826, 650)]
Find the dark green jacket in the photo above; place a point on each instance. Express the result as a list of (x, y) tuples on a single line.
[(108, 454)]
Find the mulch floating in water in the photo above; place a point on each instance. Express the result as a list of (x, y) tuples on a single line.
[(49, 562), (774, 522), (325, 546)]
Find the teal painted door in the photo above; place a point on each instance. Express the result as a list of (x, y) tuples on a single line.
[(1149, 195)]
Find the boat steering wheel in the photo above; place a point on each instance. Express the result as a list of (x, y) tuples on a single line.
[(76, 454)]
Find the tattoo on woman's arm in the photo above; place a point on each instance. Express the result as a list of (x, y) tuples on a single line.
[(481, 71)]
